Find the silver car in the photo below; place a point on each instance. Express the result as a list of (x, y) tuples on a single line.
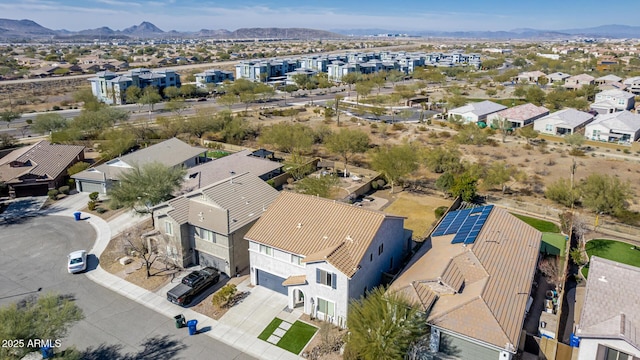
[(77, 261)]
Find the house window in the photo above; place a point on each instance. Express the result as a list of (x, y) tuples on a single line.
[(168, 228), (207, 235), (380, 249), (549, 127), (295, 259), (267, 250), (611, 354), (621, 102), (370, 257), (326, 278), (326, 307)]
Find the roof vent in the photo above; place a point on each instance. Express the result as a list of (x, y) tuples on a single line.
[(299, 225), (603, 279), (349, 238)]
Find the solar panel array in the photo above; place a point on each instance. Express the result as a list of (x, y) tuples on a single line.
[(466, 224)]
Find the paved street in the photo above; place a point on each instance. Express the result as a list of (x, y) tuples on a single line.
[(33, 257)]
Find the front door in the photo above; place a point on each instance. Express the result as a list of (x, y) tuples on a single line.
[(298, 298)]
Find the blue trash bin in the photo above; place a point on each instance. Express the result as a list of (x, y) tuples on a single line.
[(192, 324), (77, 215), (47, 352)]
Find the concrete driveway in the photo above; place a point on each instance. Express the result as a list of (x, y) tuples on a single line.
[(33, 261)]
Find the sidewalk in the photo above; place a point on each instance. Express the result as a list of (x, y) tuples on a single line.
[(239, 327)]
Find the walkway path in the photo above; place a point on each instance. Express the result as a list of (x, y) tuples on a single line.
[(239, 327)]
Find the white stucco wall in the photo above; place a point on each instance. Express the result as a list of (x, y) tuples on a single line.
[(589, 348)]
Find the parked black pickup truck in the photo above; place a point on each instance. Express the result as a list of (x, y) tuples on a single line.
[(192, 285)]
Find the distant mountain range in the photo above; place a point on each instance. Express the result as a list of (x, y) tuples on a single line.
[(28, 29)]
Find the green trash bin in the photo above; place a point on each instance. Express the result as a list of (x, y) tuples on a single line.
[(180, 321)]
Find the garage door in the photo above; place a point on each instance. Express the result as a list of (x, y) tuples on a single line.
[(271, 281), (89, 187), (32, 190)]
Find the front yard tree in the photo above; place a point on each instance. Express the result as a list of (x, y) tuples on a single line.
[(46, 317), (138, 245), (48, 122), (383, 326), (144, 186), (317, 186), (346, 143), (394, 161)]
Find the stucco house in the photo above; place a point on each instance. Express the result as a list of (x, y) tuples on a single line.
[(530, 76), (472, 277), (563, 122), (172, 152), (610, 318), (207, 226), (475, 112), (621, 126), (609, 101), (36, 169), (577, 81), (633, 84), (237, 163), (521, 115), (558, 77), (322, 253)]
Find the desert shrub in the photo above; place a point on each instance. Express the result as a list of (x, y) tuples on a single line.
[(64, 190), (91, 205), (439, 211), (422, 128), (71, 183), (94, 196), (398, 126), (373, 125), (77, 167), (53, 194), (222, 297), (101, 210)]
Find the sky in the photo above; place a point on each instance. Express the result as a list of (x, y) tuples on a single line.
[(410, 15)]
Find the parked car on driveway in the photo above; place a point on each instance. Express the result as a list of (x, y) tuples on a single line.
[(192, 285), (77, 261)]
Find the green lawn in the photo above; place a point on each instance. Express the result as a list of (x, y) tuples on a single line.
[(297, 337), (216, 154), (613, 250), (540, 225), (553, 244), (264, 335)]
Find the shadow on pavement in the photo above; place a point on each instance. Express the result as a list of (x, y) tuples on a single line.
[(92, 262), (204, 330), (157, 347)]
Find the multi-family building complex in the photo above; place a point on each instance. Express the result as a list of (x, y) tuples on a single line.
[(111, 88)]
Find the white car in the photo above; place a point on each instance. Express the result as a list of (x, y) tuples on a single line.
[(77, 261)]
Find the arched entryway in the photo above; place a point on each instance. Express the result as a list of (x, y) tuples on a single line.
[(298, 298)]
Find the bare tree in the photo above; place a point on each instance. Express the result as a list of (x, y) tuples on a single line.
[(549, 267), (137, 244)]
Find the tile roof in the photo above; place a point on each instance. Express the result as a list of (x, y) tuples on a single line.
[(493, 275), (523, 112), (219, 169), (318, 229), (619, 121), (41, 159), (171, 152), (616, 93), (480, 108), (610, 308), (568, 117), (295, 280), (242, 198)]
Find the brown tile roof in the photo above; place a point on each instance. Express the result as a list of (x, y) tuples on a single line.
[(318, 229), (610, 307), (295, 280), (494, 277), (523, 112), (42, 159)]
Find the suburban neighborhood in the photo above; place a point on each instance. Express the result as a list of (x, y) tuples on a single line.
[(387, 196)]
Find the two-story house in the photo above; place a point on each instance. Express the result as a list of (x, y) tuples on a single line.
[(322, 253), (610, 318), (621, 127), (207, 226), (609, 101)]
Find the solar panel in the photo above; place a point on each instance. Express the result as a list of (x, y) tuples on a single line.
[(466, 224)]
